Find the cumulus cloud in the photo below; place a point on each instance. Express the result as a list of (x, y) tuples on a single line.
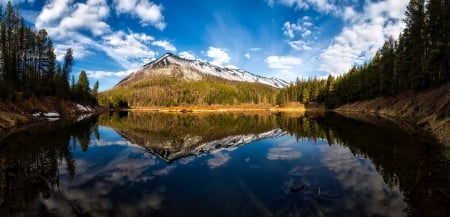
[(298, 34), (147, 11), (82, 16), (283, 62), (247, 55), (219, 56), (289, 29), (103, 74), (363, 34), (360, 179), (325, 6), (129, 49), (187, 55), (299, 45), (218, 160), (165, 171), (283, 153), (83, 27), (283, 66), (166, 45)]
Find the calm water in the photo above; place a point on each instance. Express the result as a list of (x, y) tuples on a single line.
[(152, 164)]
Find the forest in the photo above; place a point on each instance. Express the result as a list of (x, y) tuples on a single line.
[(29, 66), (172, 91), (419, 59)]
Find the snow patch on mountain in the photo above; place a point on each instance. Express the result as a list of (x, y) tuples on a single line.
[(195, 69)]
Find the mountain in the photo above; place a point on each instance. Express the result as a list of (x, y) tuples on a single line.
[(195, 70), (173, 81)]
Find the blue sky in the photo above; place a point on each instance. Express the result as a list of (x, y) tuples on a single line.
[(274, 38)]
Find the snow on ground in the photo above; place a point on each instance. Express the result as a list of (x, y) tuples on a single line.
[(51, 114), (84, 108), (82, 117)]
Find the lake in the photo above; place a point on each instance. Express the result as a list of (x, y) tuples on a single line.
[(222, 164)]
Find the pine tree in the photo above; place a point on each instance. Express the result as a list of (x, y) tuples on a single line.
[(66, 71), (415, 43)]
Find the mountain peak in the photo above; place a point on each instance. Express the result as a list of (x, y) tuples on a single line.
[(173, 65)]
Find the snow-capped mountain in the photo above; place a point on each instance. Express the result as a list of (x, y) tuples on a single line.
[(172, 65)]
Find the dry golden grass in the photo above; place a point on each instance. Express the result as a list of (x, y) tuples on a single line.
[(225, 108)]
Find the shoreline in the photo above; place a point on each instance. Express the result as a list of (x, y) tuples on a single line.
[(290, 107), (428, 110), (24, 113)]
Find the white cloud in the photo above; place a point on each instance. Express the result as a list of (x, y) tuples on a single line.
[(103, 74), (61, 20), (359, 177), (166, 45), (79, 50), (165, 171), (300, 45), (247, 55), (83, 27), (283, 153), (218, 160), (52, 12), (129, 49), (298, 32), (219, 56), (255, 49), (283, 66), (283, 62), (363, 34), (147, 11), (325, 6), (289, 29), (187, 55)]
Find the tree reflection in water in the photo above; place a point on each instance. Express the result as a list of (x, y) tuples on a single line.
[(30, 162)]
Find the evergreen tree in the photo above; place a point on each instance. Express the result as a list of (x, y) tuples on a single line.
[(82, 90)]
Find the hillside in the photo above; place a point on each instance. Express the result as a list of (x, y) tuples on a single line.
[(429, 109), (24, 112), (174, 81)]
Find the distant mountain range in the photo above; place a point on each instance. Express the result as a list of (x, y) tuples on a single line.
[(194, 70)]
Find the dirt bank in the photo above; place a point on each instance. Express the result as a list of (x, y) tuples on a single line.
[(25, 112), (429, 110)]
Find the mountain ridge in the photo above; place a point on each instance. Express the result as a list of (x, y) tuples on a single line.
[(194, 70)]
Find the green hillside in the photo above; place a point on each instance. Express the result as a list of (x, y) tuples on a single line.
[(175, 91)]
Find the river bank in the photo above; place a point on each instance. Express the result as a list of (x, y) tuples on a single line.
[(429, 110), (291, 107), (15, 115)]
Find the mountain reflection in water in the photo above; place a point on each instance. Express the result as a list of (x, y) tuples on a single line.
[(225, 164)]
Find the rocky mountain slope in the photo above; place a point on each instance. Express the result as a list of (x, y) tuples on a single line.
[(194, 70)]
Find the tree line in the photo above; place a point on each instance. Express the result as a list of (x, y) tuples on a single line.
[(28, 64), (419, 59), (172, 91)]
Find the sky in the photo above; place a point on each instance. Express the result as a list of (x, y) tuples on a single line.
[(287, 39)]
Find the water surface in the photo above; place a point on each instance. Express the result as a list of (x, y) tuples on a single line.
[(153, 164)]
